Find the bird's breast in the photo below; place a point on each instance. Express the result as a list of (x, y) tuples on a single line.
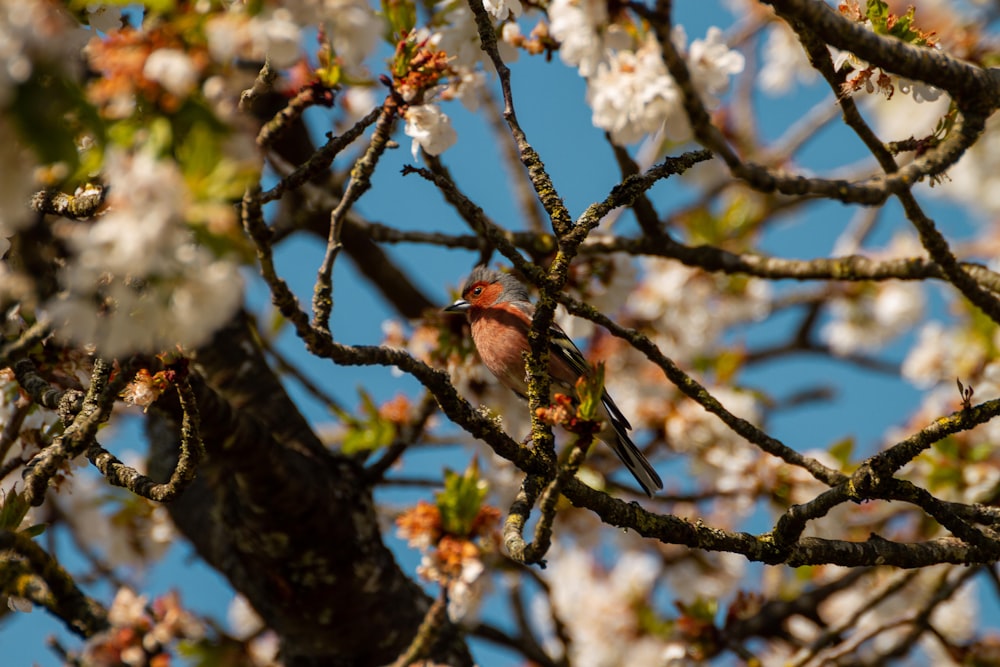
[(501, 338)]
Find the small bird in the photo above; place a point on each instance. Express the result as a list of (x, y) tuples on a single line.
[(499, 313)]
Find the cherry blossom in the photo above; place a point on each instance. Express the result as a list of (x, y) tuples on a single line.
[(430, 129)]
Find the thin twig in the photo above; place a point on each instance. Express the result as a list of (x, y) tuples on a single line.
[(360, 182), (192, 451), (96, 409)]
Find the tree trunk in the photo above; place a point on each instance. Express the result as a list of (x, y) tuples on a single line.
[(289, 523)]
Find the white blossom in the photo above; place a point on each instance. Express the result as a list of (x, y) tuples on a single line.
[(689, 309), (711, 63), (975, 180), (942, 354), (227, 36), (245, 624), (606, 297), (979, 480), (633, 95), (352, 27), (469, 86), (893, 613), (628, 86), (675, 654), (271, 34), (242, 618), (873, 319), (104, 17), (956, 618), (585, 38), (784, 61), (467, 592), (714, 576), (33, 32), (501, 9), (173, 69), (457, 36), (278, 37), (127, 609), (358, 101), (598, 607), (719, 456), (136, 544), (430, 129), (510, 32), (264, 649), (137, 281), (874, 79)]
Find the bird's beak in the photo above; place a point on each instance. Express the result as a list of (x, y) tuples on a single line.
[(459, 306)]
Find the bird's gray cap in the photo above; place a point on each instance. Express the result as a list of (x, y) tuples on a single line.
[(513, 290)]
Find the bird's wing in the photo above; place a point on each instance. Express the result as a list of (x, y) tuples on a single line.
[(563, 346)]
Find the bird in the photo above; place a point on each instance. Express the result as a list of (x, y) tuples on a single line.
[(500, 312)]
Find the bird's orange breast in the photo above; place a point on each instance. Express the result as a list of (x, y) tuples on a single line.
[(501, 338)]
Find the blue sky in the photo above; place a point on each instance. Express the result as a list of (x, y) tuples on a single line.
[(551, 109)]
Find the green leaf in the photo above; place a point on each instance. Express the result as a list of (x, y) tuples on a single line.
[(842, 450), (369, 437), (368, 404), (703, 609), (948, 447), (198, 152), (212, 175), (461, 500), (276, 323), (878, 13), (944, 477), (981, 452), (590, 390), (154, 6), (160, 137), (13, 510), (727, 364), (212, 651), (401, 15), (34, 531), (650, 622), (885, 22), (369, 433), (331, 75)]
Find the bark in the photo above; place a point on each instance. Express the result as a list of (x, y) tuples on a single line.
[(289, 523)]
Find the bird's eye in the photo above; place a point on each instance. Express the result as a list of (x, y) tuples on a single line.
[(477, 291)]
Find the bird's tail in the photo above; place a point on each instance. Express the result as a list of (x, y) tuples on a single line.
[(632, 458)]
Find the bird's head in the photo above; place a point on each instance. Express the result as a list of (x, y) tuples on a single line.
[(485, 288)]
